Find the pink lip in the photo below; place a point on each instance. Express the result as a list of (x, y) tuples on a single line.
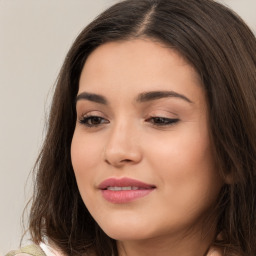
[(124, 196)]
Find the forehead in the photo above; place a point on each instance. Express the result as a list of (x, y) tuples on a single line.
[(140, 64)]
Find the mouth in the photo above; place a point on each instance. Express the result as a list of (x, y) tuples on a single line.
[(124, 190)]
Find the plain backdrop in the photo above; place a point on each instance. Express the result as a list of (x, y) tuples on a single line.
[(35, 35)]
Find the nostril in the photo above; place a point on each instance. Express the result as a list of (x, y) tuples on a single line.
[(119, 157), (118, 163), (126, 160)]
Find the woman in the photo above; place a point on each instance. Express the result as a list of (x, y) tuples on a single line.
[(151, 143)]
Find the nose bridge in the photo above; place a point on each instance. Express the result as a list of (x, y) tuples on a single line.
[(122, 145)]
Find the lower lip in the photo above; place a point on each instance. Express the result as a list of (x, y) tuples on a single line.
[(124, 196)]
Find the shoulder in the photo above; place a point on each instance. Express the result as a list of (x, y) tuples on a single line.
[(30, 250)]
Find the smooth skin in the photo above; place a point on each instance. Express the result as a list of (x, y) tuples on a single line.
[(124, 131)]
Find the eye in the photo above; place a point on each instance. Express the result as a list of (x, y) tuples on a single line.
[(93, 121), (162, 121)]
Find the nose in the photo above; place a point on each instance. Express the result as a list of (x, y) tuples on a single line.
[(122, 147)]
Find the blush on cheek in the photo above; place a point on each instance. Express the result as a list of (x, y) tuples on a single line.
[(83, 154)]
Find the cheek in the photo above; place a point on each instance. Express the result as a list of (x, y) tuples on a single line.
[(85, 150), (85, 157), (186, 169), (184, 151)]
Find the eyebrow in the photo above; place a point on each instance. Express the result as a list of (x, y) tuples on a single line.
[(155, 95), (142, 97), (92, 97)]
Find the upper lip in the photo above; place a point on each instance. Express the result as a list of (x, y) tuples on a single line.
[(124, 182)]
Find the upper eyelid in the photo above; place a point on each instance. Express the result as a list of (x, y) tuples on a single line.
[(162, 113), (91, 113), (95, 111), (147, 116), (151, 106)]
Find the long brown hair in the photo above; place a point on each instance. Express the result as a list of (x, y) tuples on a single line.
[(218, 44)]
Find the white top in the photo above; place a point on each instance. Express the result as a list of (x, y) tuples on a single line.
[(49, 251)]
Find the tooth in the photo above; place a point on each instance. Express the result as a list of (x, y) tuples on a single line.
[(114, 188), (119, 188), (122, 188), (126, 188)]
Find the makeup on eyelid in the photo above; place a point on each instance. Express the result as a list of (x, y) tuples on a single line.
[(158, 117), (161, 112)]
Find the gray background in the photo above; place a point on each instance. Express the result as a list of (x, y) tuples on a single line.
[(35, 35)]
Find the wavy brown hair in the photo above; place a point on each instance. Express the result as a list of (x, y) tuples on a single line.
[(222, 49)]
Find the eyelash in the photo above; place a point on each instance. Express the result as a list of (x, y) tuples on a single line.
[(162, 121), (95, 121), (89, 121)]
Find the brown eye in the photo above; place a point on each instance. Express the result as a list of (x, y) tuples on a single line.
[(162, 121), (92, 121)]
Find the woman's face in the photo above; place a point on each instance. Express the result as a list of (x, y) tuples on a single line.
[(141, 151)]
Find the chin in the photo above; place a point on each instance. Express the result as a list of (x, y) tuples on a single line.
[(125, 230), (126, 235)]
